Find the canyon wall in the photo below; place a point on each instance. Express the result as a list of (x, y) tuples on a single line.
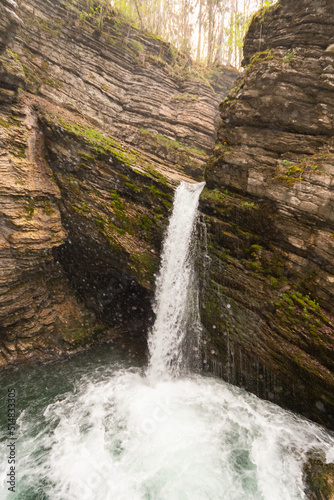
[(96, 129), (133, 84), (268, 299)]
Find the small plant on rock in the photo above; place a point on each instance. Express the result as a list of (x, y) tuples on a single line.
[(288, 57)]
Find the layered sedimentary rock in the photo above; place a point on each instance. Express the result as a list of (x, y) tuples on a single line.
[(9, 22), (38, 310), (82, 213), (133, 84), (270, 209)]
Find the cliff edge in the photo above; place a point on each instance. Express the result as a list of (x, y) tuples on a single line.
[(270, 212)]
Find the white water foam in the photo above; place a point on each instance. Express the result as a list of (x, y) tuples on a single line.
[(121, 435), (173, 341), (124, 438)]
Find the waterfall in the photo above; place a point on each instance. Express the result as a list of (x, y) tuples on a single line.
[(97, 427), (174, 338)]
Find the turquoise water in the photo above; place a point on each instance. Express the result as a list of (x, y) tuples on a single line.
[(94, 427), (106, 426)]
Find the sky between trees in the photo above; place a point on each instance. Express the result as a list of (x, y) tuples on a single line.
[(210, 31)]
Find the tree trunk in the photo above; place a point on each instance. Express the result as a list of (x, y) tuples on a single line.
[(138, 13), (210, 32), (220, 40), (199, 43)]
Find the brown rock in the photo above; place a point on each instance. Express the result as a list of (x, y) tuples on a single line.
[(275, 157), (82, 214)]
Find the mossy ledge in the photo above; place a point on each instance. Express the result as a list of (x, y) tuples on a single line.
[(264, 321), (87, 194), (270, 214), (114, 206)]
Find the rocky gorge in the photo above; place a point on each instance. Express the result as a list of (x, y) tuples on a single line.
[(97, 127), (83, 212), (90, 156), (270, 208)]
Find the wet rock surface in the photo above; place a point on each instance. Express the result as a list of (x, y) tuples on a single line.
[(82, 212), (89, 161), (320, 478), (269, 209)]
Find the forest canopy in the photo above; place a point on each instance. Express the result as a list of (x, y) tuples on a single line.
[(209, 31)]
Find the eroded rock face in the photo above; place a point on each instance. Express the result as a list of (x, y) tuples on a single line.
[(82, 214), (81, 228), (270, 209), (319, 477), (122, 79), (9, 22)]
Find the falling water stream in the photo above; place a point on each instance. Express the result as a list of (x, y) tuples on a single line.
[(97, 427), (175, 336)]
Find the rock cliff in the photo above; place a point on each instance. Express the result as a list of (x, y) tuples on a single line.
[(96, 129), (83, 211), (134, 85), (269, 291)]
